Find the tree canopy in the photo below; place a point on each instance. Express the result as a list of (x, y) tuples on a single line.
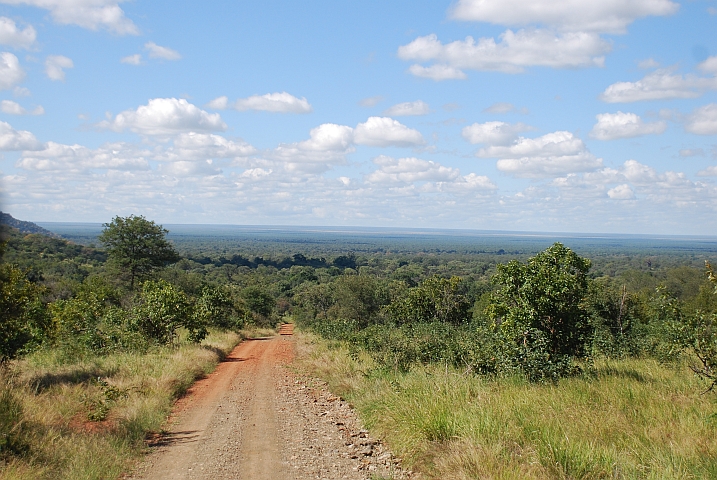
[(137, 246)]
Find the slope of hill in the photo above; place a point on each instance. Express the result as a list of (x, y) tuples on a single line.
[(25, 227)]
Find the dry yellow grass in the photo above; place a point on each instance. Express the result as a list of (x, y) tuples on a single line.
[(623, 419), (127, 395)]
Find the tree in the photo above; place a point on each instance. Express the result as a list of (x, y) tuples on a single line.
[(539, 306), (137, 246), (161, 310), (436, 299), (697, 333)]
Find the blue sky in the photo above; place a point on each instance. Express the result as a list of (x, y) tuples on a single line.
[(573, 116)]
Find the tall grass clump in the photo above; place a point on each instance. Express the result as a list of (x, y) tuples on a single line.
[(626, 418), (89, 418)]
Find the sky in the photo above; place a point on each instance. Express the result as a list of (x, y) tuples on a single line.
[(570, 116)]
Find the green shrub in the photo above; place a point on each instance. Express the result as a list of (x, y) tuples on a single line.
[(161, 310)]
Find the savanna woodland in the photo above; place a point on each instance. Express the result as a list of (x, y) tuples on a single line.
[(469, 362)]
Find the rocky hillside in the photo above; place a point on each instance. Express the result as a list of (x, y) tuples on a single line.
[(24, 227)]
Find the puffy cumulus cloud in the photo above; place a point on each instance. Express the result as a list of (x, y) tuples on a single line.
[(386, 132), (11, 35), (157, 51), (709, 65), (556, 153), (219, 103), (710, 171), (611, 126), (55, 66), (494, 133), (12, 140), (11, 73), (703, 121), (274, 102), (659, 85), (204, 146), (410, 170), (56, 157), (659, 195), (185, 168), (165, 116), (328, 144), (135, 59), (437, 72), (621, 192), (419, 107), (90, 14), (14, 108), (514, 51), (607, 16)]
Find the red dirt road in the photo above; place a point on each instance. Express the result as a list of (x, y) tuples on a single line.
[(255, 419)]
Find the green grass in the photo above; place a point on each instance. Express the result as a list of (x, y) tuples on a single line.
[(88, 418), (623, 419)]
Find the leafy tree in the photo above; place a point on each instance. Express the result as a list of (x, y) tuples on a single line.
[(22, 316), (161, 310), (436, 299), (137, 246), (258, 300), (539, 307), (698, 334)]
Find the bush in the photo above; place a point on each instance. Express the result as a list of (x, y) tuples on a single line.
[(22, 315), (161, 310)]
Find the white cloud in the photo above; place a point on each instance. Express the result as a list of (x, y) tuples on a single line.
[(659, 85), (709, 65), (165, 116), (410, 170), (204, 146), (274, 102), (703, 121), (21, 92), (437, 72), (500, 107), (691, 152), (13, 36), (611, 126), (55, 65), (135, 59), (621, 192), (493, 133), (371, 101), (14, 108), (606, 16), (556, 153), (184, 168), (57, 157), (219, 103), (710, 171), (648, 64), (328, 144), (90, 14), (11, 73), (418, 107), (385, 132), (514, 52), (156, 51), (11, 139)]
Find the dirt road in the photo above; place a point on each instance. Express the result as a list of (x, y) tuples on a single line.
[(254, 419)]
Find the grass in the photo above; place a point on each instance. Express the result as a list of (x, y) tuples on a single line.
[(89, 418), (622, 419)]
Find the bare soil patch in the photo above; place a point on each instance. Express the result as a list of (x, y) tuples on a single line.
[(253, 418)]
